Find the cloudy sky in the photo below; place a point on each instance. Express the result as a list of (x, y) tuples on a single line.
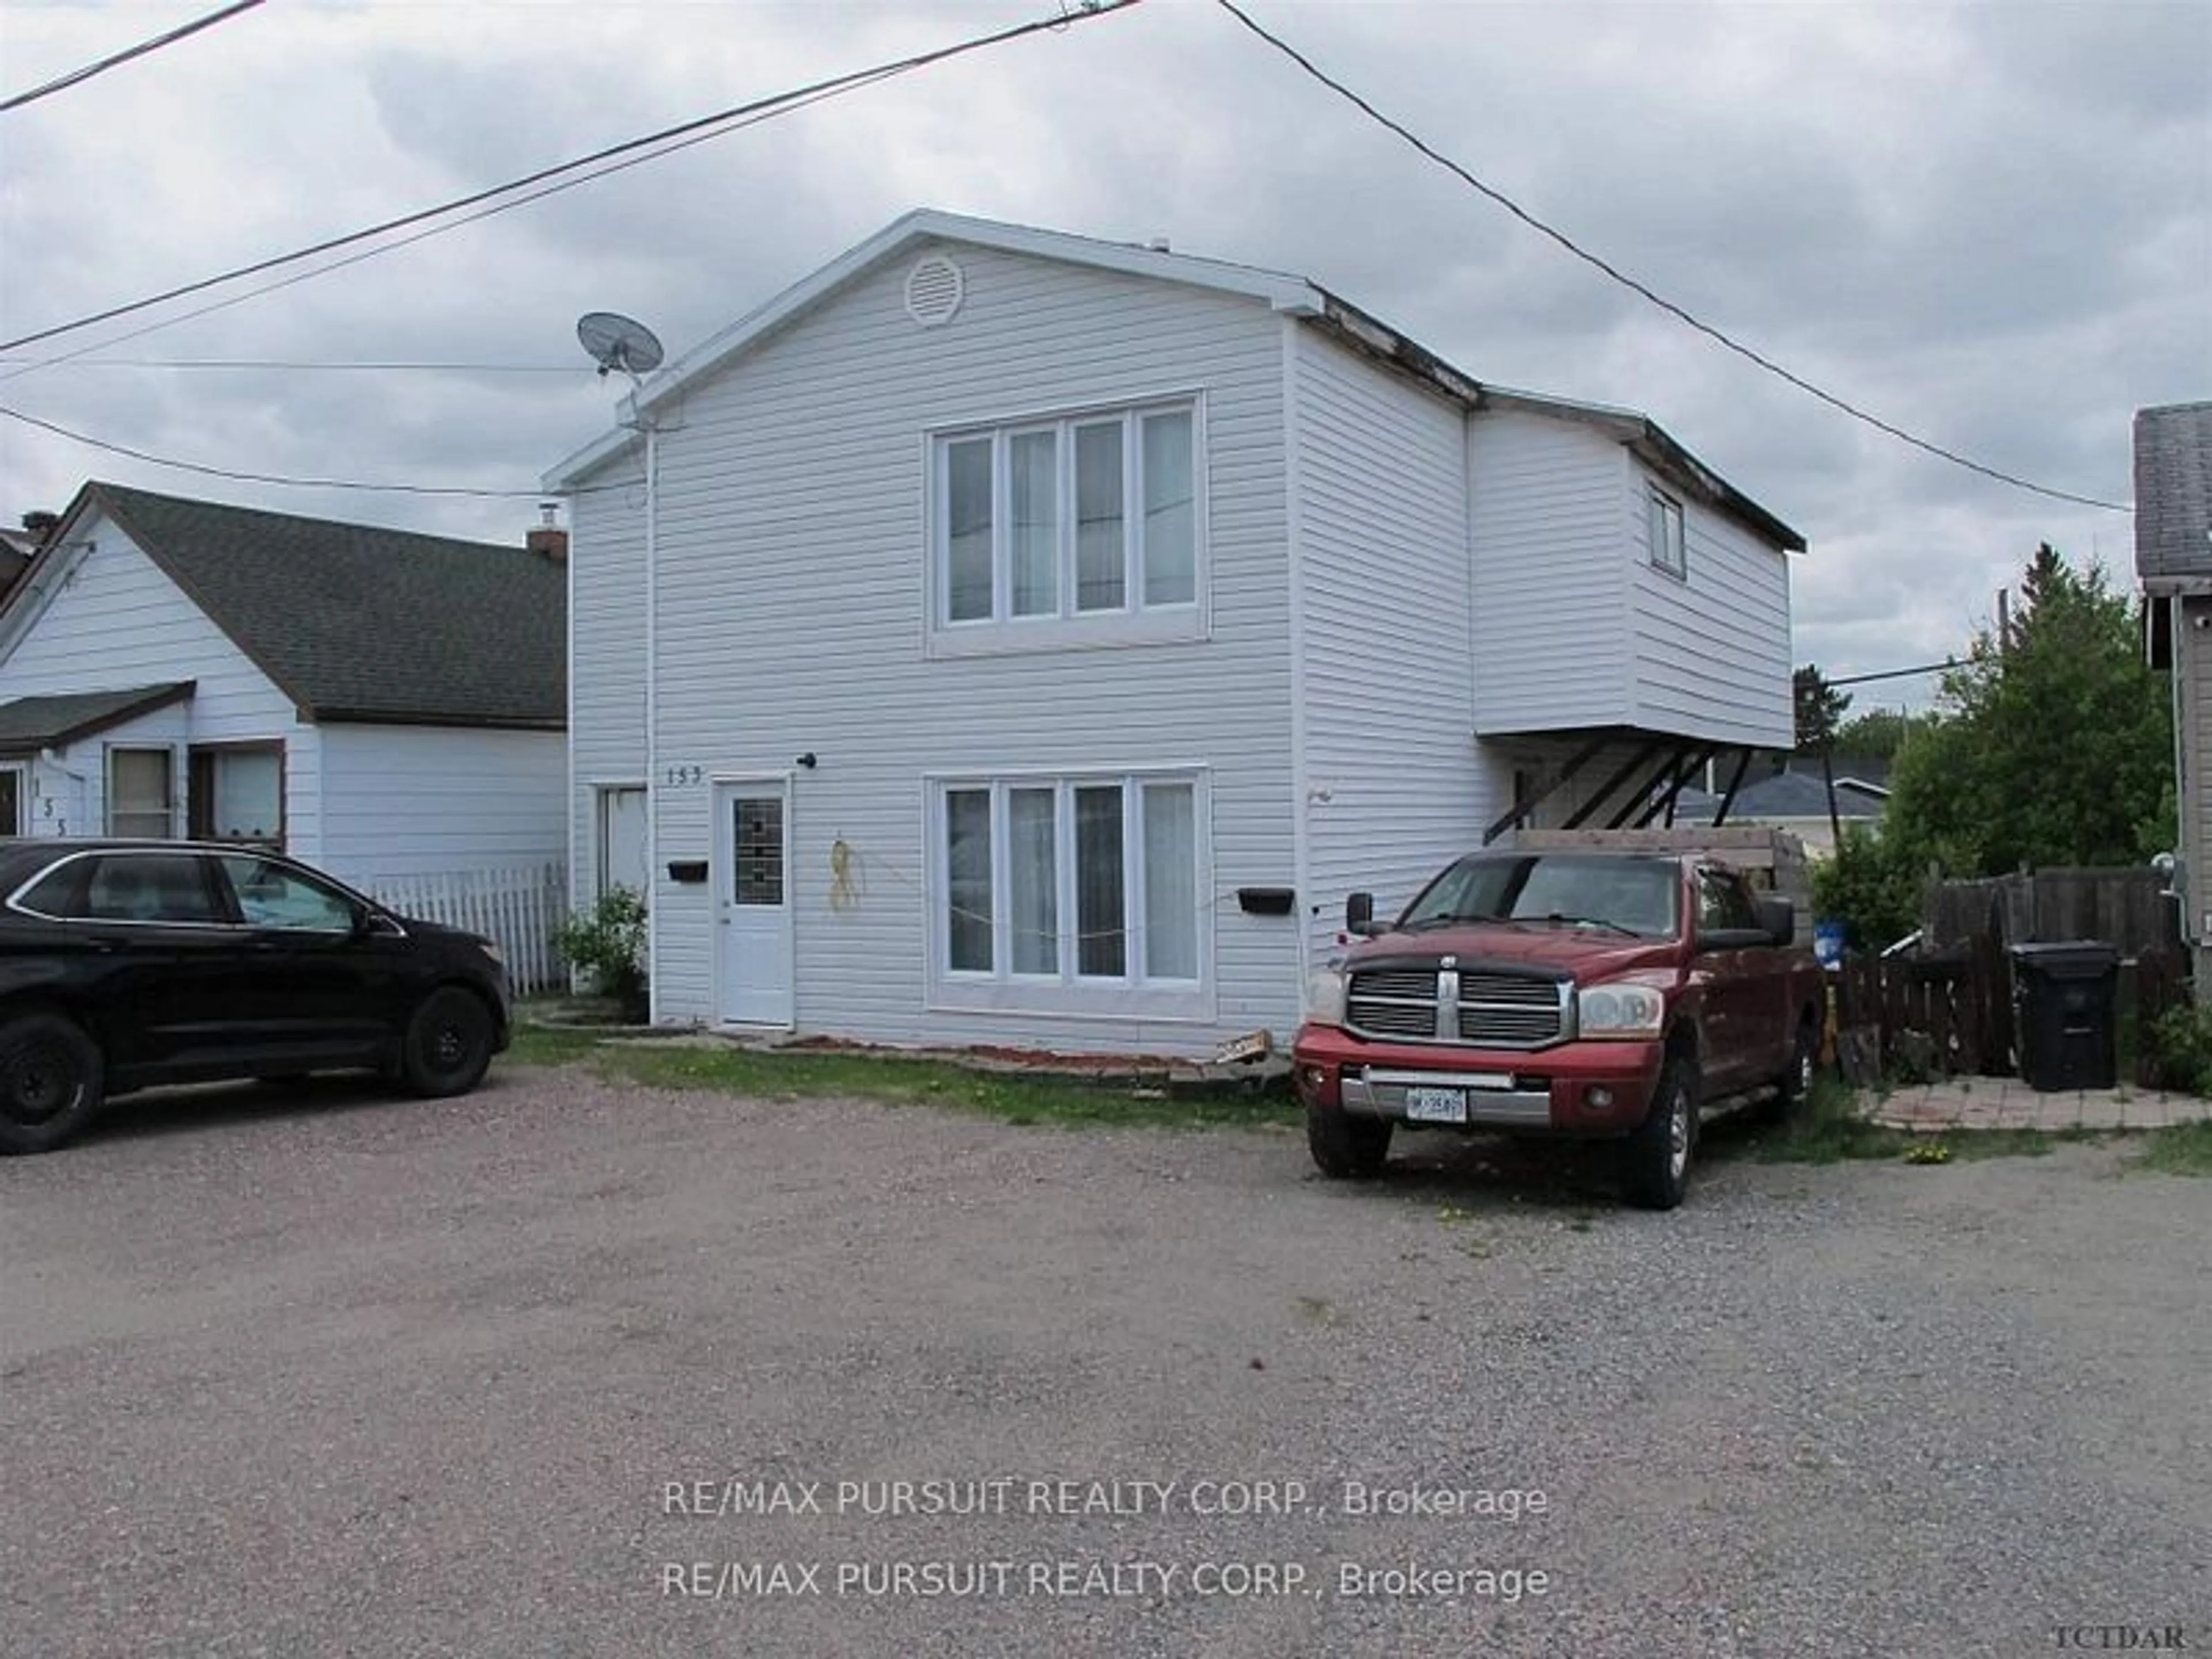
[(1988, 224)]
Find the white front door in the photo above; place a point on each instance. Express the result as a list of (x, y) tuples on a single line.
[(753, 896)]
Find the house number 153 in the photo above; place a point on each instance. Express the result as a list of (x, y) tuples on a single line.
[(680, 774)]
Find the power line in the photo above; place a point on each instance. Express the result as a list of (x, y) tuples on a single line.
[(63, 82), (292, 366), (1638, 288), (265, 477), (794, 102), (1944, 666), (737, 114)]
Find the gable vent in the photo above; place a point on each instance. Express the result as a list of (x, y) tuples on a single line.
[(935, 289)]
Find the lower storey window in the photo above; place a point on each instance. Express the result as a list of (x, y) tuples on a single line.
[(141, 793), (1086, 883), (238, 793)]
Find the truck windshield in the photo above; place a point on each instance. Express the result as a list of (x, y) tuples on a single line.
[(1636, 895)]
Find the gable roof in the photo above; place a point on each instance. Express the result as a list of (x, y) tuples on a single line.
[(1788, 794), (355, 622), (30, 724), (2173, 491), (1292, 295)]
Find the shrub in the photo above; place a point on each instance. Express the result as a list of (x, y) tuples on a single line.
[(2181, 1044), (607, 943), (1871, 886)]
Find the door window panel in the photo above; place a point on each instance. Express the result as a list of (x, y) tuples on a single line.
[(759, 852), (149, 887), (270, 895)]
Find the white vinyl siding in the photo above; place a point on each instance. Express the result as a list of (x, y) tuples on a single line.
[(1550, 545), (795, 616), (606, 670), (1710, 647), (1395, 787), (405, 800)]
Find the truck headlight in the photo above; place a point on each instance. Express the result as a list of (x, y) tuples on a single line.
[(1325, 997), (1620, 1010)]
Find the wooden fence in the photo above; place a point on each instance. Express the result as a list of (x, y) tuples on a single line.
[(1954, 1015), (520, 909), (2130, 907)]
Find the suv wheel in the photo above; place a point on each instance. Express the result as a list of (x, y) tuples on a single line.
[(449, 1043), (1345, 1147), (1655, 1159), (51, 1077)]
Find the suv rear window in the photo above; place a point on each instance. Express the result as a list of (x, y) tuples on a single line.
[(156, 887)]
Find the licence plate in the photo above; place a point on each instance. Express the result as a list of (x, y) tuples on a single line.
[(1435, 1105)]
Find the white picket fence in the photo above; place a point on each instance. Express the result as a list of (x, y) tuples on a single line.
[(521, 910)]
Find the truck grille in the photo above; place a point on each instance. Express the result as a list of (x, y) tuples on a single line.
[(1493, 1009)]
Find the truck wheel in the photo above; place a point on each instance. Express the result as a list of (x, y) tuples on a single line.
[(50, 1077), (1797, 1082), (1345, 1147), (1655, 1159)]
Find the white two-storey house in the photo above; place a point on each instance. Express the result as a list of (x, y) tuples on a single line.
[(1004, 637)]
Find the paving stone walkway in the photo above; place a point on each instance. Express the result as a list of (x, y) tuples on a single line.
[(1997, 1103)]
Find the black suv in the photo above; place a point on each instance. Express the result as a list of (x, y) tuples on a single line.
[(125, 964)]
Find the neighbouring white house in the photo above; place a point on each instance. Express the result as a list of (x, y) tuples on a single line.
[(2173, 560), (1005, 637), (388, 705)]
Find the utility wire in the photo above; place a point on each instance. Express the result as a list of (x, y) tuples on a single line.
[(866, 78), (1898, 673), (1638, 288), (64, 83), (264, 477), (296, 365), (736, 115)]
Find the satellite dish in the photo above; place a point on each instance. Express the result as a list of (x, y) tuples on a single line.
[(614, 342)]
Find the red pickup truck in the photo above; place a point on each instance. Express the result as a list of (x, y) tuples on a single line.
[(1590, 994)]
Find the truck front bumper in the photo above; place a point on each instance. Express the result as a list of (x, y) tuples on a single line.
[(1594, 1089)]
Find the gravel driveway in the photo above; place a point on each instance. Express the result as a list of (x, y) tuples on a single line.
[(569, 1368)]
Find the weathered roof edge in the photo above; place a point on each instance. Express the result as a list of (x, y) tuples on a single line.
[(1293, 295)]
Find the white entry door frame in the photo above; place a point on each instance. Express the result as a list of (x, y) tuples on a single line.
[(755, 954)]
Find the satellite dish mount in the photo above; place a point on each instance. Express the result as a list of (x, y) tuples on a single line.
[(616, 342)]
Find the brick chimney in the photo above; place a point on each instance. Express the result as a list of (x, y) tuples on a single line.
[(547, 537)]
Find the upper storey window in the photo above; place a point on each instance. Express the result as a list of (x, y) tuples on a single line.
[(1086, 527)]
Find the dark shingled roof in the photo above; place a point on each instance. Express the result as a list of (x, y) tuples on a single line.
[(1785, 795), (30, 724), (2173, 491), (359, 624)]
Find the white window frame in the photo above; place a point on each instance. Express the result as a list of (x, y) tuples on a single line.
[(173, 795), (1132, 995), (1134, 622), (1662, 510)]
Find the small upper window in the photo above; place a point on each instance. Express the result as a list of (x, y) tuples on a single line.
[(1668, 551)]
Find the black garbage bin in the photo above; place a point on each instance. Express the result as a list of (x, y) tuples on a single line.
[(2063, 1014)]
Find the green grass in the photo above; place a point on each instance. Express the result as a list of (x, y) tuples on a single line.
[(1830, 1128), (2180, 1149), (893, 1080)]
